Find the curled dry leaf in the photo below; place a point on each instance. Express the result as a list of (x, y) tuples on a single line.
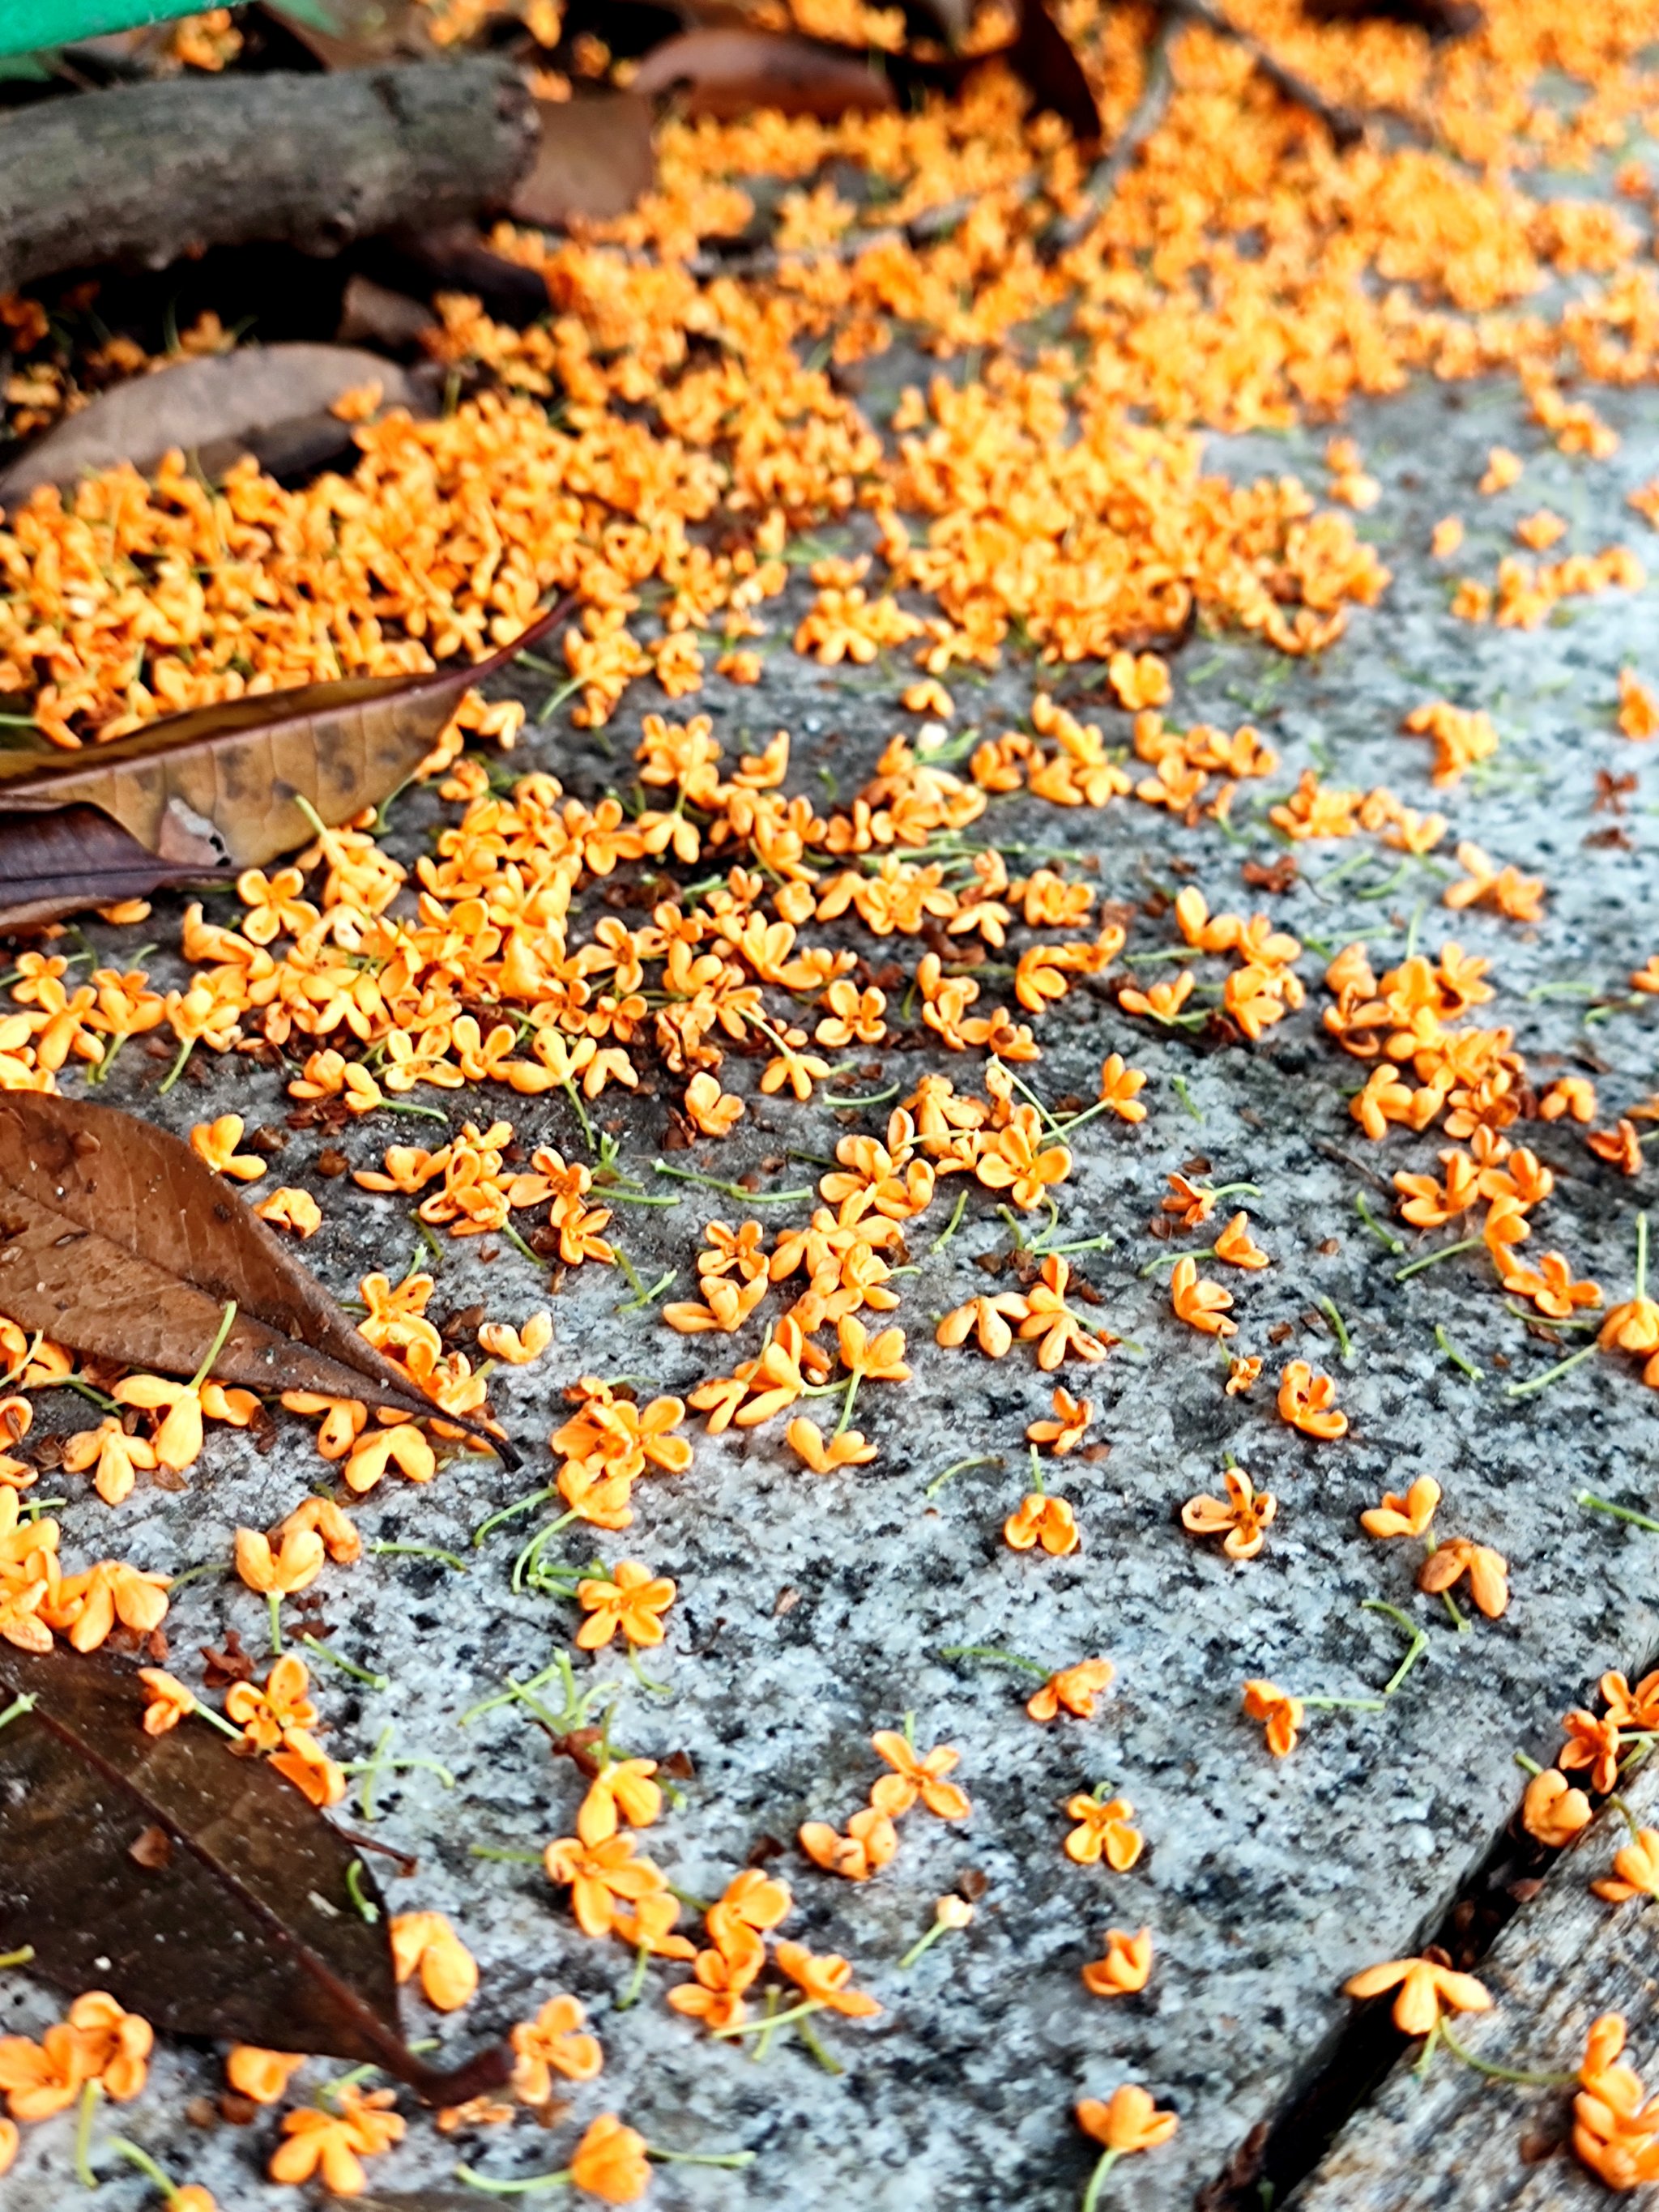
[(726, 72), (245, 1930), (118, 1240), (217, 408), (218, 789)]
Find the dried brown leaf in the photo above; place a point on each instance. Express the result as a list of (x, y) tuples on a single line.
[(220, 787), (728, 72), (244, 1930), (118, 1240), (594, 159), (218, 406)]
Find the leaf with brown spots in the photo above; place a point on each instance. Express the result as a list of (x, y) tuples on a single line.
[(218, 789), (200, 1889), (117, 1240)]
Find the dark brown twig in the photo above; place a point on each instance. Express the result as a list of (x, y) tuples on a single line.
[(1149, 110)]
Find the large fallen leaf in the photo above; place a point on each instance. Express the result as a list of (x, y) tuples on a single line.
[(216, 408), (117, 1240), (220, 787), (77, 857), (233, 1921), (594, 159), (728, 72)]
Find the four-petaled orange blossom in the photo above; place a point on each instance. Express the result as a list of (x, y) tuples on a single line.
[(1427, 1988)]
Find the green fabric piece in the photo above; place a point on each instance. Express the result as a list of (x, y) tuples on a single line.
[(28, 25)]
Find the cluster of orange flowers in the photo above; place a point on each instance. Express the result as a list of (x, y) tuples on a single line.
[(39, 1600), (608, 1443), (871, 1839)]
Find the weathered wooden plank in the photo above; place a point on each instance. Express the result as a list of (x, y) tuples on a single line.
[(1459, 2137)]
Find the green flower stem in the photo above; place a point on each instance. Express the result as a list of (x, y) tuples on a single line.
[(83, 2172), (1178, 1084), (1097, 2179), (630, 1995), (507, 1512), (1551, 1374), (1458, 1359), (357, 1674), (145, 2164), (1502, 2073), (1076, 1121), (216, 1720), (213, 1350), (997, 1657), (853, 1380), (1592, 1503), (876, 1098), (21, 1957), (519, 1244), (177, 1069), (274, 1600), (537, 2184), (1171, 1259), (505, 1858), (1418, 1645), (923, 1943), (23, 1703), (957, 1466), (1528, 1765), (765, 2027), (734, 1190), (727, 2158), (1384, 1236), (420, 1551), (365, 1906), (1348, 1704), (1344, 1341), (950, 1226), (1030, 1094), (806, 2036), (1433, 1258)]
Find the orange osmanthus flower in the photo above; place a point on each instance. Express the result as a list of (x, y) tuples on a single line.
[(1280, 1713), (1592, 1742), (1635, 1870), (552, 2044), (826, 1980), (1039, 1518), (1073, 1690), (1125, 1967), (1488, 1570), (426, 1941), (335, 2144), (1552, 1812), (610, 2162), (1409, 1516), (1236, 1246), (915, 1777), (870, 1843), (1427, 1986), (1128, 2122), (1307, 1402), (1244, 1514), (1201, 1305), (1069, 1426), (1243, 1374), (632, 1601), (261, 2075), (1614, 2127), (1104, 1830)]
